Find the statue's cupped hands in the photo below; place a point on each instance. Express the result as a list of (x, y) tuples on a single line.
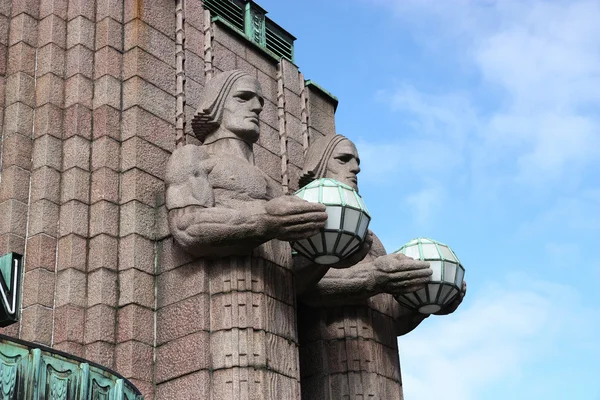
[(291, 218), (399, 274)]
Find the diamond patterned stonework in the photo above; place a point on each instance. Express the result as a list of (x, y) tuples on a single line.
[(446, 281), (347, 221)]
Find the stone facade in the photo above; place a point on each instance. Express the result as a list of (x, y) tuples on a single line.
[(95, 96)]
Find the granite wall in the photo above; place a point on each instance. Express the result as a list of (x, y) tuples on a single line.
[(95, 96)]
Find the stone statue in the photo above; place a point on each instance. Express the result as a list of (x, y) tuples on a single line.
[(348, 318), (227, 211), (219, 203)]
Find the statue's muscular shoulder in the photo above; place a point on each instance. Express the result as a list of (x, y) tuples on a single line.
[(187, 178), (187, 161), (196, 177)]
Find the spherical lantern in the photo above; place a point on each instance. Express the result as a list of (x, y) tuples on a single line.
[(446, 281), (346, 226)]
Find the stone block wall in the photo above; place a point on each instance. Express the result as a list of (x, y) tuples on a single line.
[(95, 95)]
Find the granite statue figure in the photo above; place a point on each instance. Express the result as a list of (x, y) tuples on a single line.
[(235, 218), (348, 318), (219, 203)]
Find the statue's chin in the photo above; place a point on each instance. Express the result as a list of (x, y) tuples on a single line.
[(249, 136)]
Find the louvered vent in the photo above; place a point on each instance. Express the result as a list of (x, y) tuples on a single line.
[(279, 41), (231, 11), (248, 19)]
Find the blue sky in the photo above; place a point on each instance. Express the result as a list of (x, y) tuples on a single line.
[(478, 123)]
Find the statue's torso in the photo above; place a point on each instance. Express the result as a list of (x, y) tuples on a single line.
[(238, 184), (253, 338)]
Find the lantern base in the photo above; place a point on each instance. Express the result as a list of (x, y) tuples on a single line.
[(429, 309), (327, 259)]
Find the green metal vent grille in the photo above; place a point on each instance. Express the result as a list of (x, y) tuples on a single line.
[(279, 41), (231, 11), (248, 19)]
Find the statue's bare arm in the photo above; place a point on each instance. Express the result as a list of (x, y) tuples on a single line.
[(205, 230), (377, 273)]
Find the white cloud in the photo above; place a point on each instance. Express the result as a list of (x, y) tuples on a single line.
[(545, 54), (574, 217), (418, 158), (523, 132), (425, 204), (562, 252), (542, 57), (492, 340), (436, 145), (449, 117)]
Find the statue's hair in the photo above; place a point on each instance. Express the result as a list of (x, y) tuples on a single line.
[(208, 116), (317, 157)]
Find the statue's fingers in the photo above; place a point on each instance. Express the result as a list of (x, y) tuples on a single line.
[(301, 231), (305, 206), (420, 280), (301, 219), (409, 263), (311, 228), (412, 274), (290, 205)]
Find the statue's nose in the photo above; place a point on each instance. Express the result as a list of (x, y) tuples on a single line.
[(256, 106)]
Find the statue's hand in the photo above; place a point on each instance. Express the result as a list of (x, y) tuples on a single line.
[(399, 274), (453, 305), (292, 218)]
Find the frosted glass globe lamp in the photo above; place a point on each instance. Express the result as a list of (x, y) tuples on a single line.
[(346, 226), (446, 281)]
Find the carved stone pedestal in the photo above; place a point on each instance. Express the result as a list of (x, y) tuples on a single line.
[(253, 341), (350, 352)]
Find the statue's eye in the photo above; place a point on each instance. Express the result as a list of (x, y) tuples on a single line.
[(244, 96), (344, 158)]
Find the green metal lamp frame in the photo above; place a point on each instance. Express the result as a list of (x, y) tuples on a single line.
[(318, 248), (446, 281)]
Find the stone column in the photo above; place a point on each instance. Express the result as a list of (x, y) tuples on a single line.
[(64, 161), (101, 313), (147, 139), (20, 33), (321, 112), (253, 341), (72, 258), (350, 352), (182, 317)]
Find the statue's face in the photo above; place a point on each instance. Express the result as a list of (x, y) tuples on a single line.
[(242, 108), (344, 163)]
